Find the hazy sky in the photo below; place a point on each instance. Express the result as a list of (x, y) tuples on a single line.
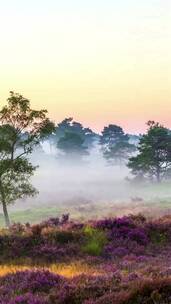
[(100, 61)]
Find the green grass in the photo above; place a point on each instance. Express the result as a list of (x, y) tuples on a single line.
[(33, 215), (156, 197), (95, 241), (36, 214)]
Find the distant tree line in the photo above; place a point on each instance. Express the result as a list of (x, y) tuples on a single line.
[(22, 129), (71, 139), (148, 156)]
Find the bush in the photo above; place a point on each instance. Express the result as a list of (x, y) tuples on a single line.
[(95, 241), (31, 281), (51, 253), (151, 292), (110, 223), (157, 291), (56, 221), (61, 236), (28, 299), (139, 236)]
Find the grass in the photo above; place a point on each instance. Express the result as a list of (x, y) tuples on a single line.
[(157, 198), (67, 270), (33, 215)]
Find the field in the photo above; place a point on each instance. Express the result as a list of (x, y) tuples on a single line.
[(114, 247), (90, 210), (109, 260)]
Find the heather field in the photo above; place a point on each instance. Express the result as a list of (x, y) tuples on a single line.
[(110, 260)]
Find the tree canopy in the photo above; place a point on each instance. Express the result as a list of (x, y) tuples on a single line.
[(72, 145), (68, 125), (154, 153), (115, 144), (72, 139), (21, 129)]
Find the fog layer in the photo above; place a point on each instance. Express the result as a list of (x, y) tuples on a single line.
[(92, 180)]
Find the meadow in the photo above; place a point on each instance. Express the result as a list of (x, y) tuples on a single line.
[(109, 260)]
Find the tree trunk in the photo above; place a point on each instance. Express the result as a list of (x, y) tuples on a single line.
[(4, 206), (158, 175), (6, 216)]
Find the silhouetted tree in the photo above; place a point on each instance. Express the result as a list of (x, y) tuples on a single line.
[(21, 129), (154, 158)]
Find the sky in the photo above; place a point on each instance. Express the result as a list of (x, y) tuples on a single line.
[(98, 61)]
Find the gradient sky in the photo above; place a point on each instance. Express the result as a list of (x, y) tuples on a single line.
[(98, 61)]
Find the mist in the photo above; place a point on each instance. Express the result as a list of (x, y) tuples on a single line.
[(89, 185)]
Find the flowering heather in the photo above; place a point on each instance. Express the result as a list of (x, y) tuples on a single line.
[(111, 223), (28, 298), (115, 251), (129, 258), (54, 253), (45, 288), (139, 236), (55, 221)]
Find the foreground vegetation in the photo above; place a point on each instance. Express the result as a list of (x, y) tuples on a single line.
[(114, 260)]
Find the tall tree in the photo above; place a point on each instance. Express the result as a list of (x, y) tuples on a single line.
[(68, 125), (154, 153), (115, 144), (21, 129), (72, 145)]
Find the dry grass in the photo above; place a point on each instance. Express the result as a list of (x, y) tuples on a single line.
[(66, 270)]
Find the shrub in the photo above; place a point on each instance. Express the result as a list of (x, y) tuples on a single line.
[(159, 232), (36, 230), (95, 241), (56, 221), (31, 281), (111, 223), (93, 248), (112, 251), (61, 236), (17, 228), (28, 298), (158, 237), (151, 292), (139, 236), (157, 291), (81, 289), (54, 253)]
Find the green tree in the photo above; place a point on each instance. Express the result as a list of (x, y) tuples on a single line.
[(115, 144), (21, 129), (154, 153), (72, 145), (68, 125)]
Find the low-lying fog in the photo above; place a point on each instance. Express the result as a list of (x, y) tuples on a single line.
[(60, 181)]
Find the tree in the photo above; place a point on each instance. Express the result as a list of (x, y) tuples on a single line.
[(68, 125), (21, 129), (115, 144), (154, 153), (72, 145)]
